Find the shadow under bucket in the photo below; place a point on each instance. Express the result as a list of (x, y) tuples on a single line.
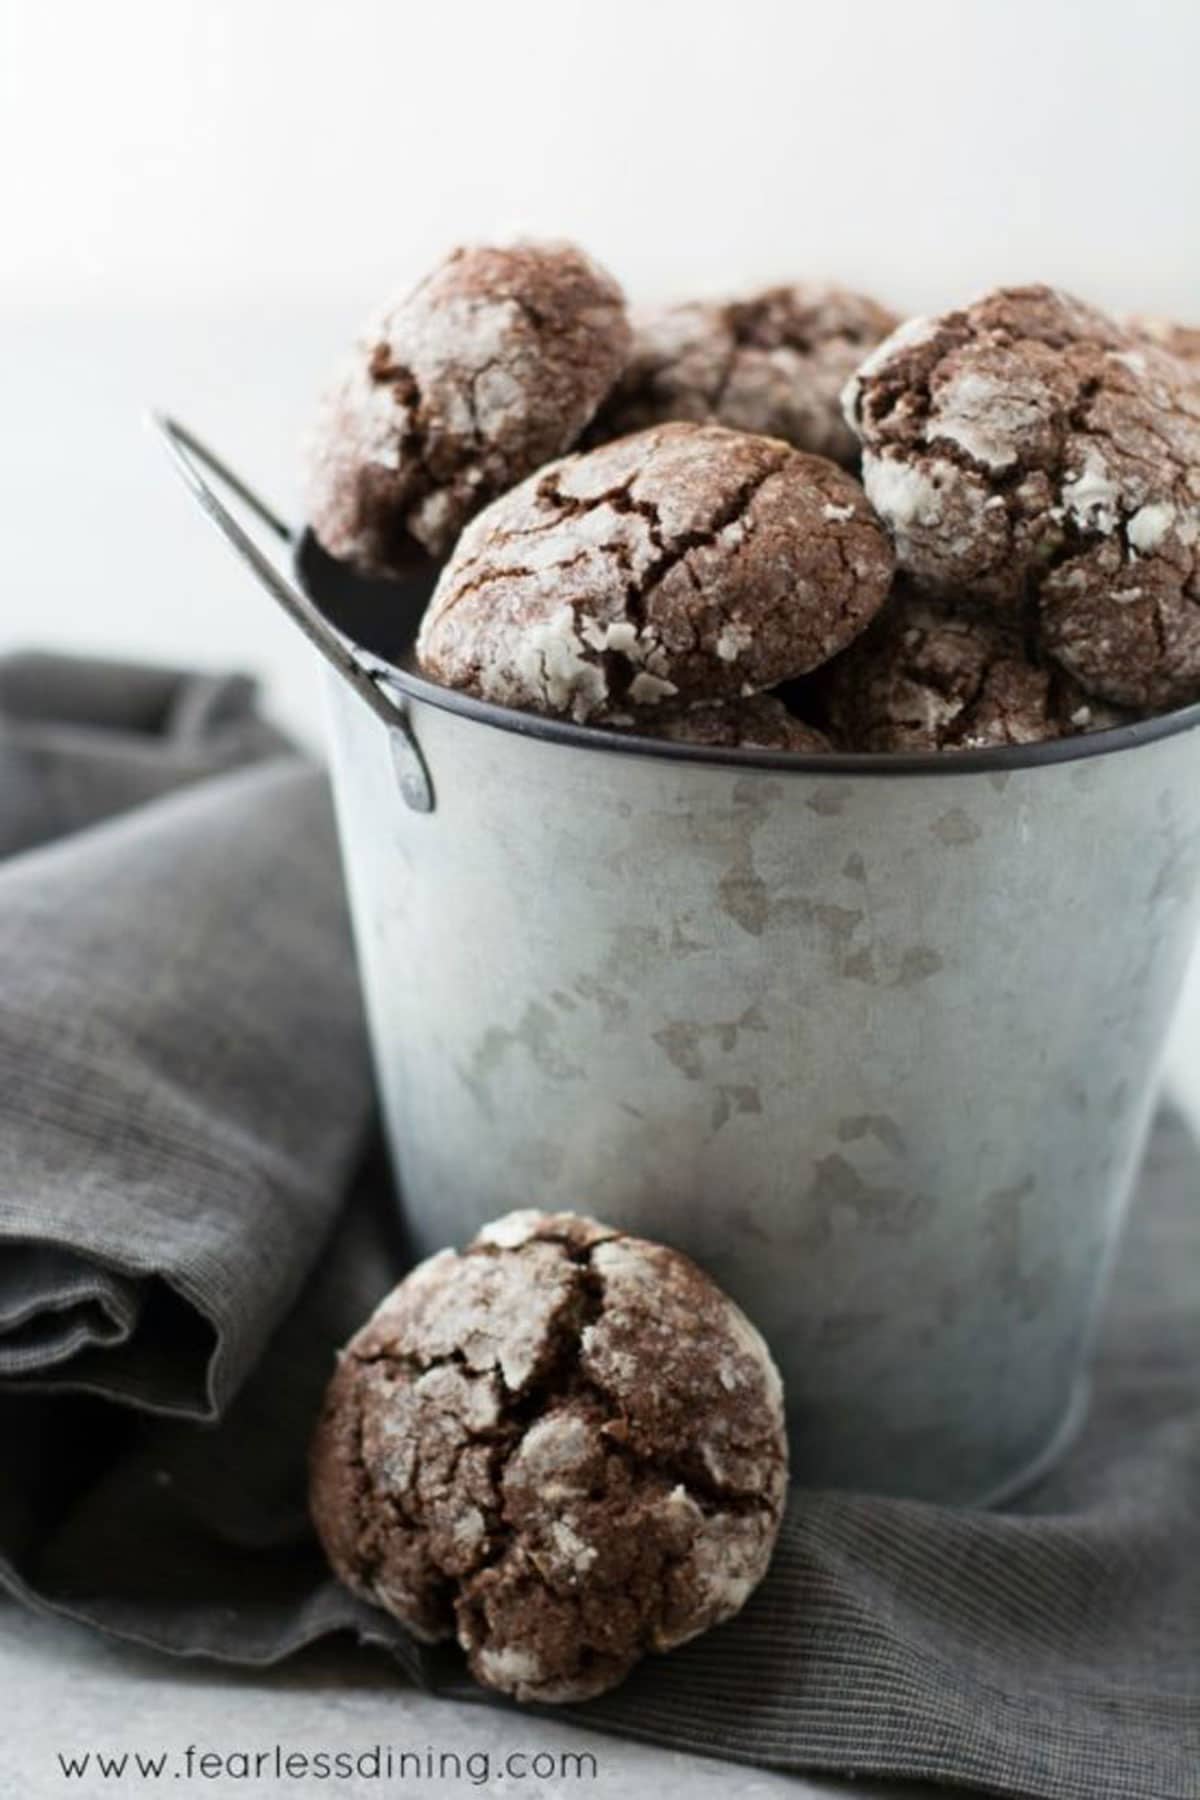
[(876, 1039)]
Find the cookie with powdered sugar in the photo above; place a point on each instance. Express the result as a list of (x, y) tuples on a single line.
[(1168, 334), (928, 676), (1031, 454), (490, 367), (760, 722), (684, 563), (774, 363), (563, 1445)]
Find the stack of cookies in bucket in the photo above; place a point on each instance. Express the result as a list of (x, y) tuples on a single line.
[(790, 521)]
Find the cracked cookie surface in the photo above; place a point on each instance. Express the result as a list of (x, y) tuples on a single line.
[(563, 1445), (1179, 340), (488, 368), (684, 563), (1029, 452), (928, 677), (774, 363), (759, 723)]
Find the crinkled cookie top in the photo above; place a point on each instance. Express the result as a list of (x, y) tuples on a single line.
[(774, 363), (684, 563), (1179, 340), (760, 722), (1029, 452), (927, 676), (564, 1444), (488, 368)]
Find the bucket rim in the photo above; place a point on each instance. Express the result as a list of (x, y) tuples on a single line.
[(995, 759), (320, 576)]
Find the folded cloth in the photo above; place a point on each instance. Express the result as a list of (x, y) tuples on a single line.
[(77, 746), (183, 1079), (193, 1213)]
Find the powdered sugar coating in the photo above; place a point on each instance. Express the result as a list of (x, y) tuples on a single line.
[(564, 1445), (685, 563), (1029, 452), (928, 676), (489, 367), (773, 363), (1179, 340)]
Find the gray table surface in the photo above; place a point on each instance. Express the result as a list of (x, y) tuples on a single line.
[(68, 1692)]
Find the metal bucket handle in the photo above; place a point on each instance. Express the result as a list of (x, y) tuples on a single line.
[(368, 678)]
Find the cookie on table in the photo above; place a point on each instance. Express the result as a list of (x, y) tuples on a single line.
[(490, 367), (926, 676), (774, 363), (760, 722), (684, 563), (1032, 454), (564, 1446)]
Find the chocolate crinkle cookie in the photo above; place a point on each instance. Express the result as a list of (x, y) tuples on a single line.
[(774, 363), (927, 676), (684, 563), (1180, 340), (760, 722), (563, 1445), (1031, 453), (488, 368)]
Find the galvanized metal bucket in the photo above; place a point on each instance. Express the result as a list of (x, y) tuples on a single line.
[(876, 1039)]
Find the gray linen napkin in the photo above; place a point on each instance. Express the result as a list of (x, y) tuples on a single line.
[(173, 1141), (193, 1213)]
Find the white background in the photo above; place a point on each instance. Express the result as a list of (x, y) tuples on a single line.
[(200, 198)]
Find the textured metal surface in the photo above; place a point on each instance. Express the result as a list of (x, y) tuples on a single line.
[(880, 1052), (208, 479), (877, 1041)]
